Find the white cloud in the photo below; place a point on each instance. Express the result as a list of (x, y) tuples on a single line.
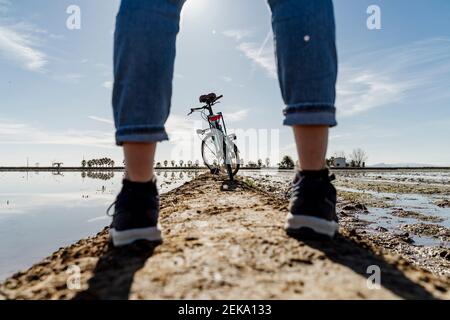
[(363, 89), (236, 116), (419, 71), (19, 45), (101, 65), (99, 119), (107, 85), (179, 128), (261, 56), (73, 78), (413, 72), (10, 128), (184, 141), (340, 136), (226, 79), (17, 133), (238, 34)]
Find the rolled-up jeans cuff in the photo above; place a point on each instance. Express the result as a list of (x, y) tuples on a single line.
[(319, 114), (141, 134)]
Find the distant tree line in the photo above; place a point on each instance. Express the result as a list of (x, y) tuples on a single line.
[(358, 159), (98, 163)]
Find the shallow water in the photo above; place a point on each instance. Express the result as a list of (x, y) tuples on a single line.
[(422, 204), (429, 177), (381, 217), (43, 211)]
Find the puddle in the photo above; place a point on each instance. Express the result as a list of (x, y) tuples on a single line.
[(381, 217), (422, 204)]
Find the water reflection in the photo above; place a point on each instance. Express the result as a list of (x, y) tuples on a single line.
[(43, 211), (100, 175), (178, 174)]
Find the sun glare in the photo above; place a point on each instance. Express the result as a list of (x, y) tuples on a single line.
[(195, 7)]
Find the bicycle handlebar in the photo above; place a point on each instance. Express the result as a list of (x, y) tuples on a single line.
[(205, 107), (195, 109)]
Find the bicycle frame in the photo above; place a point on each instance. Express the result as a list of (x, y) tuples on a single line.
[(223, 145), (217, 131)]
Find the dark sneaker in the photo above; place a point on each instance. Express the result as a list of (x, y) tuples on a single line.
[(136, 214), (312, 208)]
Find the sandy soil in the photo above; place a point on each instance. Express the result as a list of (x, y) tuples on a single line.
[(228, 245)]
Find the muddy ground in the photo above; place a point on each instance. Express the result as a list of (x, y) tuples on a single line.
[(227, 245), (361, 195)]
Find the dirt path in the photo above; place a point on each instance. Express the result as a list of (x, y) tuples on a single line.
[(227, 245)]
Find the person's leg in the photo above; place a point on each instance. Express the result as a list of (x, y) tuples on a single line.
[(304, 36), (139, 158), (144, 54), (312, 143)]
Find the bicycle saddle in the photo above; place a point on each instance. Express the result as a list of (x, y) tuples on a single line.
[(208, 98)]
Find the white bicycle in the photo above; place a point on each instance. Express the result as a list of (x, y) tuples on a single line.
[(220, 154)]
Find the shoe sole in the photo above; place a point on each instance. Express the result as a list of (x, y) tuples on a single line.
[(123, 238), (310, 226)]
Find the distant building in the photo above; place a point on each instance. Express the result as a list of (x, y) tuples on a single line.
[(339, 162)]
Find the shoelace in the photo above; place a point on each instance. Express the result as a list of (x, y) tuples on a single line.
[(109, 209)]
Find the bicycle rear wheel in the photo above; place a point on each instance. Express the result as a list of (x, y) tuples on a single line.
[(213, 158)]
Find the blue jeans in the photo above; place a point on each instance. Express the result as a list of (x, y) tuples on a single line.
[(144, 55)]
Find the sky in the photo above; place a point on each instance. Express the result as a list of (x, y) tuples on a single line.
[(393, 87)]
